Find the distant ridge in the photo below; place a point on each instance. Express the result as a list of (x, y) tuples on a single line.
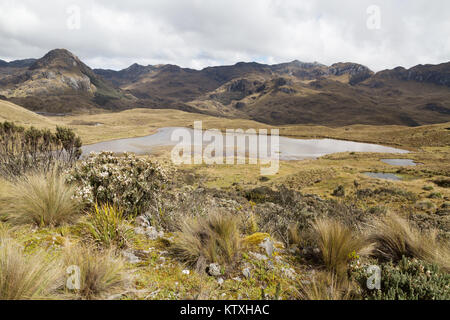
[(287, 93)]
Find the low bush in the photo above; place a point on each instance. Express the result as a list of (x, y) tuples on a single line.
[(410, 279), (125, 181), (29, 149), (204, 240), (43, 199)]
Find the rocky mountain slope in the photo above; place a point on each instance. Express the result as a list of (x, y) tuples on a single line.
[(287, 93), (58, 82)]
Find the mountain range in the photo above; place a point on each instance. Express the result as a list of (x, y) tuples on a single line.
[(288, 93)]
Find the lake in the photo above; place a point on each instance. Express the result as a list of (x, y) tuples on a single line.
[(290, 148)]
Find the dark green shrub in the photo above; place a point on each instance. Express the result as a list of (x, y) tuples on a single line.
[(410, 279), (24, 149)]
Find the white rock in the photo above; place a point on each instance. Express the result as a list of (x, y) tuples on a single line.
[(130, 256), (258, 256), (268, 246), (214, 270), (220, 281), (187, 272), (247, 273)]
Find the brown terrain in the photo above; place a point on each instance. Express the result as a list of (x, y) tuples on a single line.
[(288, 93)]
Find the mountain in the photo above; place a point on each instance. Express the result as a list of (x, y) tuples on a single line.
[(58, 82), (288, 93)]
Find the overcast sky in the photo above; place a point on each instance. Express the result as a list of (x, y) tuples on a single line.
[(197, 33)]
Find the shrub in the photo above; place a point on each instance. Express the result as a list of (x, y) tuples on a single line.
[(411, 279), (127, 182), (101, 273), (106, 225), (23, 149), (23, 277), (43, 199), (211, 239), (394, 237), (336, 243)]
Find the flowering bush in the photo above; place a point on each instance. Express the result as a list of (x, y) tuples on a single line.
[(125, 181)]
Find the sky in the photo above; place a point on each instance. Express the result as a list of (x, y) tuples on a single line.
[(114, 34)]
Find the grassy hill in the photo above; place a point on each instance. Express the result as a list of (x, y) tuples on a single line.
[(12, 112)]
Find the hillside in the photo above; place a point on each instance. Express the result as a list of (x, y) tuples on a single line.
[(14, 113)]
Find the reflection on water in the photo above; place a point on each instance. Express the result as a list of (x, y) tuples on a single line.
[(399, 162), (382, 175), (290, 149)]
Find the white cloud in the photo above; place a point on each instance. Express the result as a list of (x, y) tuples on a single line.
[(199, 33)]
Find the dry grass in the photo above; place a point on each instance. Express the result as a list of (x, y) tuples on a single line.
[(23, 277), (212, 239), (43, 199), (101, 273), (394, 238), (326, 286), (336, 243)]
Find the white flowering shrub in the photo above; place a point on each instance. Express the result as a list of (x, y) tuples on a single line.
[(127, 181)]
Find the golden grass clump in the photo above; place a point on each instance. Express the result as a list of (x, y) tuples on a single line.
[(101, 273), (211, 239), (394, 237), (107, 226), (326, 286), (336, 243), (27, 276), (43, 199)]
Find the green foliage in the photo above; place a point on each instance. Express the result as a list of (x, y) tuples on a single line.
[(24, 149), (410, 279), (107, 226), (127, 182)]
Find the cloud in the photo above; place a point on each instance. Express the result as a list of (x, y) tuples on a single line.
[(198, 33)]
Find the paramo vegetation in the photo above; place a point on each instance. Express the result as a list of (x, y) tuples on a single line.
[(137, 228)]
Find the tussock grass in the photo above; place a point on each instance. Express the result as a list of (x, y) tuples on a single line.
[(394, 237), (24, 277), (43, 199), (211, 239), (336, 243), (101, 273), (107, 226), (326, 286)]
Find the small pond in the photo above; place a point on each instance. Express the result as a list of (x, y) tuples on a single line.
[(399, 162), (382, 175)]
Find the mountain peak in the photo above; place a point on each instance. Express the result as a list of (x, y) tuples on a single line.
[(57, 58)]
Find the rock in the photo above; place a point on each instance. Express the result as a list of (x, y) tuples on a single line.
[(220, 281), (149, 231), (142, 222), (258, 256), (214, 270), (289, 272), (130, 256), (186, 272), (247, 273), (268, 246)]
